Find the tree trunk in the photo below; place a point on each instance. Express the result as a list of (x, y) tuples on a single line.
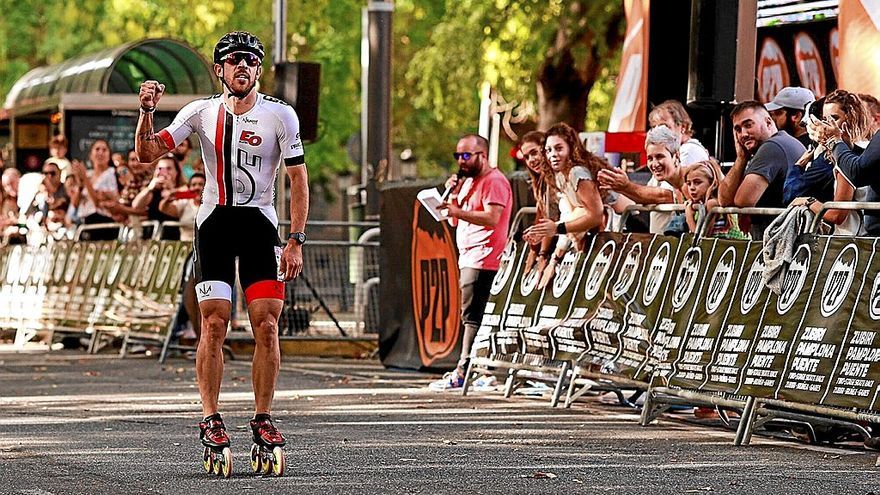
[(564, 80)]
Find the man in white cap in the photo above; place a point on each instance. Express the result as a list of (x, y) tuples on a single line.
[(788, 109)]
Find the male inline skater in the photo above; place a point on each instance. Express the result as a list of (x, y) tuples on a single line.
[(244, 136)]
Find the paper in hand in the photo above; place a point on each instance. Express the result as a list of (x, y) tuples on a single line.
[(431, 200)]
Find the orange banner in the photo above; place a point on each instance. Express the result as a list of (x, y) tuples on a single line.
[(859, 24), (630, 104)]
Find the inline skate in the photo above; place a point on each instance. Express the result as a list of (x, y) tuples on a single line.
[(267, 453), (217, 456)]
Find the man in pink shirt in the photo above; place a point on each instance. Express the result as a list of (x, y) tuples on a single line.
[(479, 205)]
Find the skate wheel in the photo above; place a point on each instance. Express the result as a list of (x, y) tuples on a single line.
[(256, 459), (278, 461), (225, 459), (215, 464), (207, 462), (266, 459)]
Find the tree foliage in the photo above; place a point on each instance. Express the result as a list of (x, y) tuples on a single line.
[(443, 51), (517, 46)]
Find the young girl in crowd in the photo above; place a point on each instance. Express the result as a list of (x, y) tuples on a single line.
[(702, 180)]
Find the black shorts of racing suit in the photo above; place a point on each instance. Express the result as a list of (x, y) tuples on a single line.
[(242, 232)]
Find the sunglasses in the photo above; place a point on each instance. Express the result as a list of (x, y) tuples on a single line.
[(466, 155), (235, 58), (50, 172)]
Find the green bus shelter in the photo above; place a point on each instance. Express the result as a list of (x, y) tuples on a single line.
[(93, 97)]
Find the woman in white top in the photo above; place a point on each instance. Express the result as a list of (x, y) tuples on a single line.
[(581, 204), (852, 117), (184, 205), (99, 185), (673, 115)]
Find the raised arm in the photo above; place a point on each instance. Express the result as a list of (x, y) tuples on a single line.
[(733, 179), (862, 170), (617, 180), (147, 144)]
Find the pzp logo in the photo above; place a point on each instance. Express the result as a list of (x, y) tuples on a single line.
[(529, 281), (839, 280), (875, 298), (754, 285), (686, 277), (565, 273), (627, 272), (599, 269), (656, 272), (794, 279), (251, 138), (720, 280), (508, 259)]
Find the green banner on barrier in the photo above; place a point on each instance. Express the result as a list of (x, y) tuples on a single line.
[(699, 316), (520, 310), (512, 260), (815, 348), (783, 316), (712, 305), (554, 305), (742, 304)]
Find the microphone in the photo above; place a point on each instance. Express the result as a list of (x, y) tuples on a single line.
[(458, 176)]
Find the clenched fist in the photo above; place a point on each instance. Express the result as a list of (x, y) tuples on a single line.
[(151, 92)]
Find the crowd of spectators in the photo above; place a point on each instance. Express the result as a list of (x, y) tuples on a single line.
[(110, 191), (792, 155), (795, 151)]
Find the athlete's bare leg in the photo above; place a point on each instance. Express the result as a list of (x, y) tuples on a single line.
[(209, 356), (264, 315)]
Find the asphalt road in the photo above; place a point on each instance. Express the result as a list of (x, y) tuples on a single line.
[(71, 423)]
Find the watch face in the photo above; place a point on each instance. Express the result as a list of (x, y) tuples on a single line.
[(299, 237)]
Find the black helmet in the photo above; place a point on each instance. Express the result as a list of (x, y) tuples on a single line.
[(237, 41)]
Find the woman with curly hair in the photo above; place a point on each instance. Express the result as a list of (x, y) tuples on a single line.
[(581, 203), (847, 111)]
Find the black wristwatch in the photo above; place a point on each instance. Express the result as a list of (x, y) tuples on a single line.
[(299, 237)]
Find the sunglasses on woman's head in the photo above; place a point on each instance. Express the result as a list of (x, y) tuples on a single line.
[(249, 58)]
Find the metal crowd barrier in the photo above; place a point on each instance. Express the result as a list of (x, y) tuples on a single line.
[(662, 208), (127, 233), (519, 367), (755, 411), (508, 354), (841, 205), (337, 294), (91, 289)]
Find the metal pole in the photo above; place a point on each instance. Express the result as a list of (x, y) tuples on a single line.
[(282, 194), (280, 15), (485, 108), (378, 91)]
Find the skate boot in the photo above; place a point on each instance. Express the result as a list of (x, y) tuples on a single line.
[(217, 457), (267, 453)]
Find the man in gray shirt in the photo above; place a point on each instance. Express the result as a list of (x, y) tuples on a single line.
[(763, 156)]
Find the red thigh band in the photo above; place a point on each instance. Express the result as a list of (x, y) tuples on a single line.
[(265, 289)]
